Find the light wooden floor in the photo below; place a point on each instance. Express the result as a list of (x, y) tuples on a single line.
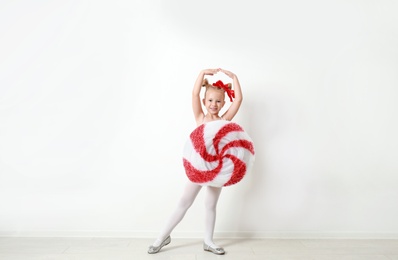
[(191, 249)]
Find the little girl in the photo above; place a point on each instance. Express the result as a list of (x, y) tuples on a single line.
[(213, 101)]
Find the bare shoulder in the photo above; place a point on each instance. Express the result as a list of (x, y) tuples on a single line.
[(223, 117), (199, 119)]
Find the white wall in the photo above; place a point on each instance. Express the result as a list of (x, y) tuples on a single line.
[(95, 109)]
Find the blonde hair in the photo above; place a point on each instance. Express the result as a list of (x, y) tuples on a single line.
[(205, 83)]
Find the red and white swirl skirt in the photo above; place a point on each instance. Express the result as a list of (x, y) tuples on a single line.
[(218, 153)]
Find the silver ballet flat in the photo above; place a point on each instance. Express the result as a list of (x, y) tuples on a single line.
[(156, 249), (217, 251)]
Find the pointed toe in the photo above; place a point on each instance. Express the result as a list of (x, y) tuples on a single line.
[(217, 251), (156, 249)]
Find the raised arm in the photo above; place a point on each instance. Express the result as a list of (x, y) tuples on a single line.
[(234, 107), (196, 103)]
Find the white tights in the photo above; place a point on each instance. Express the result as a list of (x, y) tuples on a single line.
[(190, 192)]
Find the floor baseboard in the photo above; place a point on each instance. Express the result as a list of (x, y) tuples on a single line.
[(246, 235)]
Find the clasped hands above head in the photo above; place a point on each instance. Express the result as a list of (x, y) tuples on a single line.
[(214, 71)]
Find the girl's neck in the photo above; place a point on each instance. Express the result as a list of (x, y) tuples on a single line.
[(210, 117)]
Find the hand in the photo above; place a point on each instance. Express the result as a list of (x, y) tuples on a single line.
[(210, 71), (228, 73)]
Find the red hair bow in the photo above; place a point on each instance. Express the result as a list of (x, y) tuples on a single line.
[(230, 92)]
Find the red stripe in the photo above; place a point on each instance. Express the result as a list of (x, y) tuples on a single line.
[(230, 127), (198, 142), (198, 176), (239, 170), (239, 143)]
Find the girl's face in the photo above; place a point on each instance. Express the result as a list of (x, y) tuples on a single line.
[(214, 101)]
